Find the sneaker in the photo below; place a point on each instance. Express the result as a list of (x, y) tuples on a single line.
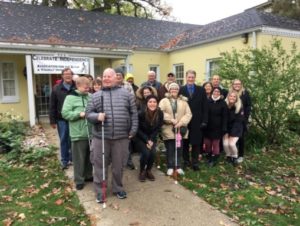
[(121, 195), (234, 162), (170, 172), (180, 171), (99, 198), (89, 179), (150, 176), (240, 159), (79, 186), (228, 159), (196, 168)]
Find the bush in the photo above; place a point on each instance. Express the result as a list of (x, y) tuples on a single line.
[(12, 132), (271, 74)]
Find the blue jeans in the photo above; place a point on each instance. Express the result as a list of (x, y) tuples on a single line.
[(65, 141)]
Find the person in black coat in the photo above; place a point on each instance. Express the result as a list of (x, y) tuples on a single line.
[(197, 101), (235, 116), (150, 123), (216, 127), (237, 86)]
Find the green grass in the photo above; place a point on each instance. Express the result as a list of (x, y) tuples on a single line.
[(38, 194), (263, 190)]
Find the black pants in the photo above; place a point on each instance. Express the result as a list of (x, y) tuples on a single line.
[(241, 145), (195, 153), (170, 146), (147, 156)]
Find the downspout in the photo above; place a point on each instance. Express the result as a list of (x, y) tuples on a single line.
[(127, 64)]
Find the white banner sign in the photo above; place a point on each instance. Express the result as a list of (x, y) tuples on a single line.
[(47, 64)]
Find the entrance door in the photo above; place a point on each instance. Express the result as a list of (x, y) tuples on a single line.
[(43, 90)]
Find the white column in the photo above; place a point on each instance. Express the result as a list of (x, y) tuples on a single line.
[(31, 104), (127, 64), (92, 67)]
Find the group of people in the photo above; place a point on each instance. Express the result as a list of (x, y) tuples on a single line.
[(103, 123)]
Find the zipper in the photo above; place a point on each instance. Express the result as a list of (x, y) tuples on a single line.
[(112, 115)]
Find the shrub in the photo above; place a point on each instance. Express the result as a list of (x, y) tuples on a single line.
[(12, 132), (271, 74)]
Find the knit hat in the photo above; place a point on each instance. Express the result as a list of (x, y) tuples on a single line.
[(151, 97), (128, 76), (173, 85), (119, 70)]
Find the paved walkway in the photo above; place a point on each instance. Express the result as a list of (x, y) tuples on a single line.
[(158, 203)]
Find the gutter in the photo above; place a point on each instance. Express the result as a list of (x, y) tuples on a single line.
[(23, 48)]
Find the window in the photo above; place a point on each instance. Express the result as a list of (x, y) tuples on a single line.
[(98, 70), (8, 83), (179, 73), (155, 68), (212, 67)]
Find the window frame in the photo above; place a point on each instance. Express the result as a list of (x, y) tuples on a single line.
[(9, 99), (209, 71), (157, 70), (179, 80)]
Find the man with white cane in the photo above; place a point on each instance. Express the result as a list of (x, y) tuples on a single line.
[(115, 107)]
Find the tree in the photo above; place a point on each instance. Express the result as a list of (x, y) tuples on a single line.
[(136, 8), (272, 76), (289, 8)]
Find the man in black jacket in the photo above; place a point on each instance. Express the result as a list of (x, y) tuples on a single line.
[(197, 101), (58, 95)]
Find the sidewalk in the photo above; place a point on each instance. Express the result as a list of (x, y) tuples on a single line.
[(158, 203)]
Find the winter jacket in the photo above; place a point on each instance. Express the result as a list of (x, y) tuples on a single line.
[(217, 119), (73, 105), (183, 115), (146, 131), (235, 122), (163, 89), (121, 119), (57, 98), (246, 101), (140, 101), (199, 108)]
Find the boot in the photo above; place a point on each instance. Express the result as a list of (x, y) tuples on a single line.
[(142, 176), (150, 176), (235, 162), (213, 161)]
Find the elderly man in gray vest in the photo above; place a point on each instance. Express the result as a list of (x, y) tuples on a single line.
[(115, 107)]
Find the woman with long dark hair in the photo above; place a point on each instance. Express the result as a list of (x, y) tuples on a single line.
[(150, 122)]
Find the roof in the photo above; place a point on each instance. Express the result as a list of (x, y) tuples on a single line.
[(26, 23), (249, 19), (23, 23)]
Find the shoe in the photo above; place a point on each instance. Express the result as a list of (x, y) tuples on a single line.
[(131, 166), (64, 166), (142, 176), (186, 165), (228, 159), (170, 172), (240, 159), (90, 179), (99, 198), (196, 168), (235, 162), (180, 171), (150, 176), (70, 163), (121, 195), (79, 186)]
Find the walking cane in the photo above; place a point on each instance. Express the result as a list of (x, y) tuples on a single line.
[(103, 188), (176, 146)]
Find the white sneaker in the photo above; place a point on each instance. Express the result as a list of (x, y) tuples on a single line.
[(240, 159), (170, 172), (180, 171)]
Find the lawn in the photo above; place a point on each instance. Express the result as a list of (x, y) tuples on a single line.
[(38, 193), (263, 190)]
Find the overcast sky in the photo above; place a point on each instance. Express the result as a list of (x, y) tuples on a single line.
[(206, 11)]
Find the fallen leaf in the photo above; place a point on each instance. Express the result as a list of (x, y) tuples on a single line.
[(59, 202), (240, 197), (7, 198), (24, 204), (7, 222), (294, 191), (21, 216), (46, 185), (271, 192), (114, 206), (136, 223)]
